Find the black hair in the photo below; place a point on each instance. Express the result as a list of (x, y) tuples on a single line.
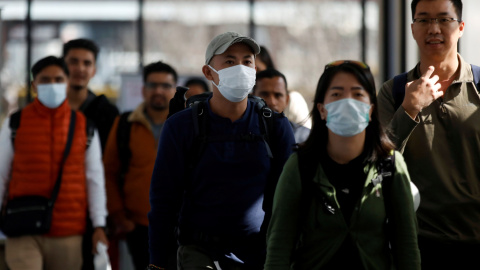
[(158, 67), (48, 61), (456, 3), (81, 43), (377, 143), (197, 81), (270, 73), (264, 56)]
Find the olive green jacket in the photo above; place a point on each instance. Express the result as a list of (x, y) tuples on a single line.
[(322, 234), (442, 152)]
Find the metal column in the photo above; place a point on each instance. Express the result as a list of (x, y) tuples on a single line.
[(393, 38), (1, 58), (140, 35), (403, 36), (364, 34), (251, 25), (28, 24)]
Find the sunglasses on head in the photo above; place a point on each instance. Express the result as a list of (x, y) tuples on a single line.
[(337, 63)]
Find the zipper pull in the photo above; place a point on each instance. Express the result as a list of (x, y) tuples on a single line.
[(442, 107)]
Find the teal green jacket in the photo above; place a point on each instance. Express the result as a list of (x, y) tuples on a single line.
[(295, 243)]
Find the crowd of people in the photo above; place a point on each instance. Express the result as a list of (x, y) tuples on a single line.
[(215, 174)]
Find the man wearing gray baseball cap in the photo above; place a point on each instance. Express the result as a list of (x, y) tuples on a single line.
[(216, 170)]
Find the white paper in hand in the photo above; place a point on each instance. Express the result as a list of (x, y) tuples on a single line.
[(101, 260)]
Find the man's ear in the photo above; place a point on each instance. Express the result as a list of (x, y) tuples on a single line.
[(144, 92), (34, 88), (461, 28), (207, 72), (288, 98)]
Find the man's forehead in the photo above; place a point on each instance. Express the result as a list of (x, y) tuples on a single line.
[(274, 83), (51, 71), (434, 7), (160, 76), (80, 53), (239, 47)]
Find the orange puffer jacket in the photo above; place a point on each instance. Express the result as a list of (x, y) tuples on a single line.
[(39, 145)]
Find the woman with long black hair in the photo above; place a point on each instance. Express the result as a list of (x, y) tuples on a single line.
[(337, 192)]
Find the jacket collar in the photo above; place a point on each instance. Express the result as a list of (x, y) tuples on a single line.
[(138, 115), (57, 112), (321, 179), (465, 75)]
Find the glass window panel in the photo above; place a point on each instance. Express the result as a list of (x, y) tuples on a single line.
[(300, 35)]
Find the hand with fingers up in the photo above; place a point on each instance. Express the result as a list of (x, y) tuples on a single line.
[(421, 93)]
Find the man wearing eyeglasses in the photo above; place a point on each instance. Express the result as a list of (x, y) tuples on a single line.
[(129, 159), (437, 126)]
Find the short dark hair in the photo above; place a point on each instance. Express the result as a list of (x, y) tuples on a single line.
[(158, 67), (197, 81), (81, 43), (265, 57), (48, 61), (457, 4), (270, 73), (377, 143)]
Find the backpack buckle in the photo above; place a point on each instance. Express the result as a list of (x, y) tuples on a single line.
[(377, 180), (267, 112)]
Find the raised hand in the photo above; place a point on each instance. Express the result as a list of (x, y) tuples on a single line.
[(421, 93)]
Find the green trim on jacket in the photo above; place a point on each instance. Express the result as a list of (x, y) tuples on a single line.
[(322, 234)]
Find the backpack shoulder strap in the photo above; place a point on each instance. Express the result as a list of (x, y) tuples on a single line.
[(307, 166), (306, 169), (200, 123), (177, 103), (476, 76), (123, 143), (398, 90), (266, 118), (14, 124), (386, 173)]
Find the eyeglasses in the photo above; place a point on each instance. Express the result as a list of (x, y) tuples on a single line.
[(154, 85), (359, 64), (440, 21)]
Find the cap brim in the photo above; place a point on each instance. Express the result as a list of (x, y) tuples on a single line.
[(250, 42)]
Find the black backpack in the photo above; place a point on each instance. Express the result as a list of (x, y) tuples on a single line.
[(200, 121), (123, 140), (399, 82), (198, 104), (15, 123)]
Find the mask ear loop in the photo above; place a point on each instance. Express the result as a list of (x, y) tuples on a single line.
[(215, 72)]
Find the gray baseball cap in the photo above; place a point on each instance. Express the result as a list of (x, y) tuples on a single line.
[(222, 42)]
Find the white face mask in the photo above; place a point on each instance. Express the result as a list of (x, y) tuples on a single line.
[(52, 95), (347, 117), (235, 82)]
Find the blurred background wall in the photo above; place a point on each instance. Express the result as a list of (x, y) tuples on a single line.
[(301, 36)]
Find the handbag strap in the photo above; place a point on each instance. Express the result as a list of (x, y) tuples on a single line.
[(71, 130)]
